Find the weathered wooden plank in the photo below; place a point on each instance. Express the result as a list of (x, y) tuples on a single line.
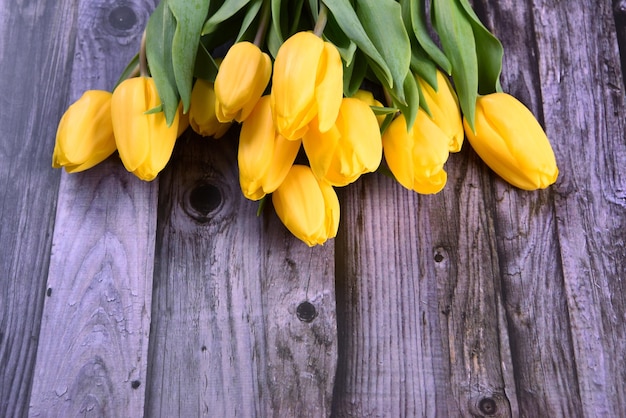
[(583, 107), (532, 278), (399, 356), (34, 55), (226, 338), (468, 279), (390, 357), (92, 352)]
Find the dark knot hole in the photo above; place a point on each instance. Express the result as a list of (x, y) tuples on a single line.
[(205, 198), (123, 18), (306, 311), (488, 406)]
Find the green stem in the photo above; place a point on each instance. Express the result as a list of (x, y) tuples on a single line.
[(322, 18), (263, 24), (143, 60)]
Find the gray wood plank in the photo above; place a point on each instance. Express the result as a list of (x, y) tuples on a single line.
[(93, 344), (226, 337), (583, 107), (35, 53), (528, 246), (418, 313)]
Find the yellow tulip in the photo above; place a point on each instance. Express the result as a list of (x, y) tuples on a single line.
[(202, 117), (416, 157), (85, 133), (307, 82), (264, 156), (242, 77), (309, 208), (368, 97), (144, 141), (509, 139), (353, 146), (444, 108)]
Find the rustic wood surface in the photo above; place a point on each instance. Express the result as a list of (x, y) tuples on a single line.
[(172, 298)]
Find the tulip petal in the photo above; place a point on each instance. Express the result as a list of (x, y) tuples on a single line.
[(293, 83), (130, 125), (512, 143), (242, 77), (299, 203), (256, 147), (398, 151), (329, 86)]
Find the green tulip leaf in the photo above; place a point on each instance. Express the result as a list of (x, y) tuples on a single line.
[(190, 16), (314, 8), (381, 110), (277, 23), (411, 93), (295, 12), (206, 67), (354, 74), (383, 127), (349, 22), (489, 53), (131, 67), (418, 17), (345, 46), (382, 21), (423, 66), (156, 109), (159, 34), (273, 41), (423, 102), (252, 12), (457, 38), (228, 10)]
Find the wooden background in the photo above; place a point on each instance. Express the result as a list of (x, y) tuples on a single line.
[(120, 298)]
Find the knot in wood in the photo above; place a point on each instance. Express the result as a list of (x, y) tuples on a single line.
[(306, 311), (123, 18), (203, 201), (488, 406)]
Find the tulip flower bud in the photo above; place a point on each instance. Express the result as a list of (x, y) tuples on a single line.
[(307, 82), (416, 157), (242, 77), (144, 141), (444, 108), (202, 117), (368, 97), (511, 142), (264, 156), (350, 148), (85, 133), (309, 208)]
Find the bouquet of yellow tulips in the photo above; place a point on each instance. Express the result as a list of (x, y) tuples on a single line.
[(347, 81)]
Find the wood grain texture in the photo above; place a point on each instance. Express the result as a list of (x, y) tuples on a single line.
[(93, 345), (35, 53), (583, 107), (226, 339), (528, 246), (393, 358)]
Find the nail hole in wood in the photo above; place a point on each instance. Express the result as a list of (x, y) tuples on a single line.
[(306, 311), (135, 384), (438, 257), (49, 292), (488, 406), (123, 18), (205, 198)]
